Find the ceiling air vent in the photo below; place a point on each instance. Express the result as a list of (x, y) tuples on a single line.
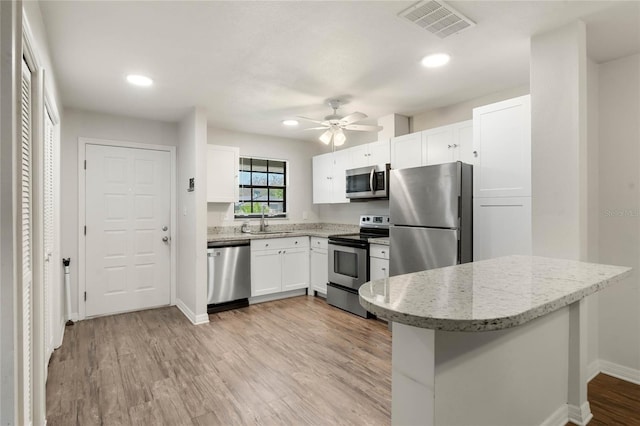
[(437, 17)]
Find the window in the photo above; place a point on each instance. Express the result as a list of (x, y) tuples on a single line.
[(263, 185)]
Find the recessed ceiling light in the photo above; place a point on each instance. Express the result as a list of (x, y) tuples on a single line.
[(290, 122), (139, 80), (435, 60)]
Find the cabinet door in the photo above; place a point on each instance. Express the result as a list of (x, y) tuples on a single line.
[(340, 165), (266, 272), (379, 153), (322, 178), (358, 156), (439, 143), (319, 268), (222, 174), (463, 138), (379, 268), (295, 269), (407, 151), (501, 226), (502, 138)]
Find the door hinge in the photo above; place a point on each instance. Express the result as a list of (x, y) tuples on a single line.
[(85, 296), (85, 230), (85, 164)]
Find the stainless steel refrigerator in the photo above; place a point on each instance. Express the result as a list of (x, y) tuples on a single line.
[(431, 215)]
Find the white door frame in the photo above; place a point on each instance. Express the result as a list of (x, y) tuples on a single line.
[(82, 145)]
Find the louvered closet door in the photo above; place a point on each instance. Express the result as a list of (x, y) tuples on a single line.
[(26, 242), (48, 234)]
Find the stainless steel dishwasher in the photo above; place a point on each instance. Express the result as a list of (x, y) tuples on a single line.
[(228, 275)]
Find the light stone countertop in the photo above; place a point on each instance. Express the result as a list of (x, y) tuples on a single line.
[(383, 241), (218, 234), (488, 295)]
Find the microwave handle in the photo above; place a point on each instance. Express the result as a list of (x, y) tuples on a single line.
[(371, 180)]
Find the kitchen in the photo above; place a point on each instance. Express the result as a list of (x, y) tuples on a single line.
[(558, 237)]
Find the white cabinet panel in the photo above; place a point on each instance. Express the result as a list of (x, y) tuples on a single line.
[(502, 139), (266, 272), (501, 226), (407, 151), (295, 269), (379, 250), (322, 175), (379, 268), (379, 153), (340, 166), (463, 138), (439, 145), (222, 174), (319, 267), (359, 156)]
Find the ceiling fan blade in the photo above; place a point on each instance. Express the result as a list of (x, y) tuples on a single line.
[(316, 128), (310, 119), (352, 118), (362, 127)]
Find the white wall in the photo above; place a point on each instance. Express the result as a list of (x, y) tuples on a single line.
[(191, 287), (558, 142), (77, 124), (10, 40), (461, 111), (619, 214), (298, 153)]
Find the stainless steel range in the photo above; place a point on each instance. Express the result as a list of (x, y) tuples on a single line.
[(349, 263)]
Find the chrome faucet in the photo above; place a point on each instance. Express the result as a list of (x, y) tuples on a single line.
[(263, 223)]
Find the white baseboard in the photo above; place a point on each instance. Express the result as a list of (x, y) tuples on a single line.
[(619, 371), (581, 415), (277, 296), (74, 316), (593, 370), (560, 417), (191, 316)]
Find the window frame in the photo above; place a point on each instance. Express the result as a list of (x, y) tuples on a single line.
[(267, 187)]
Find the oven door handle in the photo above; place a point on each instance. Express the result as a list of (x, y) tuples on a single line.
[(357, 245)]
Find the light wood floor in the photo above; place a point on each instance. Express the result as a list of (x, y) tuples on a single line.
[(295, 361)]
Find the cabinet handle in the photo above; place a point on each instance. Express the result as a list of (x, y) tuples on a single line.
[(284, 251), (384, 269), (266, 245), (279, 251), (382, 251), (449, 146)]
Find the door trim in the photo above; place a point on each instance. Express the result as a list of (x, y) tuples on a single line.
[(82, 146)]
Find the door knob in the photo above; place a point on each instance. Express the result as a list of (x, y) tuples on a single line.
[(165, 239)]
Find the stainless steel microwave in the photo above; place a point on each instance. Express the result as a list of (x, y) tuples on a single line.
[(366, 183)]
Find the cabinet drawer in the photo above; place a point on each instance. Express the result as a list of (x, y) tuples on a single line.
[(379, 251), (318, 242), (279, 243)]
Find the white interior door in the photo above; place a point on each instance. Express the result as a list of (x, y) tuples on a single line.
[(48, 236), (128, 214)]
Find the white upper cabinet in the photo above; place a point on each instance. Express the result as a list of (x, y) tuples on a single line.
[(369, 154), (502, 140), (439, 145), (329, 179), (407, 151), (222, 174)]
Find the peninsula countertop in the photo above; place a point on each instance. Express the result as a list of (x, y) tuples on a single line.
[(488, 295)]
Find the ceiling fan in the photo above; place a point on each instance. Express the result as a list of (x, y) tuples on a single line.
[(336, 124)]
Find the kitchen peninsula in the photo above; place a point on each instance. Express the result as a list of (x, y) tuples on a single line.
[(496, 342)]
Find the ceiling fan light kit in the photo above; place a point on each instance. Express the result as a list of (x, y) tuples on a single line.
[(336, 124)]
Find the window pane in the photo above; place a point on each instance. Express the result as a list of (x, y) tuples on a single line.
[(259, 194), (259, 179), (245, 164), (259, 165), (245, 194), (276, 208), (276, 179), (245, 178), (243, 208), (276, 194), (276, 166), (257, 208)]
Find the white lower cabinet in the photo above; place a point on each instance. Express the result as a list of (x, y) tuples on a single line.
[(378, 262), (319, 265), (279, 264), (501, 226)]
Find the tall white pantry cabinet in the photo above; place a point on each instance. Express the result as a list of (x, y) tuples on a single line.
[(502, 179)]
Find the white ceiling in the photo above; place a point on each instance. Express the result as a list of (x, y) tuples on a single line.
[(252, 64)]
